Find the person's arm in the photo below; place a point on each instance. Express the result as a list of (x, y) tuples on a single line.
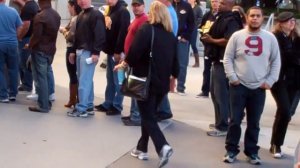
[(199, 16), (36, 33), (190, 23), (229, 57), (275, 63)]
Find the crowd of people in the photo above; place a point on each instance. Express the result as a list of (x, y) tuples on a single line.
[(241, 62)]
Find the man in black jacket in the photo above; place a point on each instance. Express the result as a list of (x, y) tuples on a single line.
[(186, 25), (89, 41), (225, 25), (117, 23)]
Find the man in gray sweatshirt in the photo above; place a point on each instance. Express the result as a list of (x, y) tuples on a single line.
[(252, 64)]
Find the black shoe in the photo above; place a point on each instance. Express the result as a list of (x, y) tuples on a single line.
[(21, 88), (125, 118), (90, 111), (131, 122), (163, 116), (37, 109), (203, 95), (276, 151), (113, 111), (101, 108)]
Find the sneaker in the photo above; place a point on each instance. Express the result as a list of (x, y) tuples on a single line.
[(52, 97), (216, 133), (276, 151), (125, 118), (12, 98), (202, 95), (113, 111), (4, 100), (181, 93), (229, 157), (212, 126), (23, 89), (139, 154), (254, 159), (76, 113), (90, 111), (32, 96), (164, 155)]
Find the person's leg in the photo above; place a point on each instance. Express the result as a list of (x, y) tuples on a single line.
[(212, 92), (164, 109), (110, 89), (85, 78), (238, 98), (206, 76), (183, 60), (71, 68), (13, 70), (25, 74), (147, 110), (282, 118), (40, 68), (3, 81), (254, 107), (51, 81), (194, 47), (144, 139), (134, 111), (118, 96)]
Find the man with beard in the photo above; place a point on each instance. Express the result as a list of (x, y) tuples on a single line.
[(252, 64)]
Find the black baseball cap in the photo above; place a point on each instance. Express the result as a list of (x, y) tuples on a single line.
[(141, 2), (285, 16)]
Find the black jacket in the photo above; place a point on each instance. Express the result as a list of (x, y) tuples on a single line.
[(290, 59), (165, 61), (225, 25), (90, 31), (186, 19), (115, 37)]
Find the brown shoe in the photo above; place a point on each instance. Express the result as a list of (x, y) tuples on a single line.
[(37, 109)]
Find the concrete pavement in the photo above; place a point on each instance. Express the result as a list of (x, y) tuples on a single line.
[(34, 140)]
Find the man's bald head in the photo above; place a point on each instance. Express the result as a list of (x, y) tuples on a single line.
[(226, 5)]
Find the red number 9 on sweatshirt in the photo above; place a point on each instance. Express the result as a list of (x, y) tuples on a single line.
[(255, 46)]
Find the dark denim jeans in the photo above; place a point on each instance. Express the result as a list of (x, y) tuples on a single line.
[(9, 59), (25, 73), (41, 67), (219, 94), (253, 101), (183, 60), (194, 39)]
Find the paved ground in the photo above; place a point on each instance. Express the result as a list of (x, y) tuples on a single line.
[(34, 140)]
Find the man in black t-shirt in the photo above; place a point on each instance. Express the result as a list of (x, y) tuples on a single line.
[(29, 9)]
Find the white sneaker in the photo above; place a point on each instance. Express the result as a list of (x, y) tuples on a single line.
[(35, 97), (164, 155), (52, 97), (181, 93), (32, 96), (139, 154)]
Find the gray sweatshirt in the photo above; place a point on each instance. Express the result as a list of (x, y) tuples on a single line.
[(252, 58)]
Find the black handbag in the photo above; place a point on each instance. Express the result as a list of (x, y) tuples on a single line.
[(138, 87)]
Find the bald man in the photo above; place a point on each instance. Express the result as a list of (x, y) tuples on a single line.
[(216, 40)]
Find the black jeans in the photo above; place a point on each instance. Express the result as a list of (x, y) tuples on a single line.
[(284, 97), (253, 100), (206, 76), (149, 126), (71, 68)]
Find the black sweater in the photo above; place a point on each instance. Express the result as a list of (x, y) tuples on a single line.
[(90, 31), (164, 59), (115, 37)]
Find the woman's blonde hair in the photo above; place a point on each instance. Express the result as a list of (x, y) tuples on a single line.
[(159, 13)]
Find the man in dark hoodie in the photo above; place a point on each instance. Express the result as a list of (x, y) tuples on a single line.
[(216, 39), (42, 44), (186, 25), (117, 22)]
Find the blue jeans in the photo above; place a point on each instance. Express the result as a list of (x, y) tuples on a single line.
[(253, 100), (134, 111), (9, 59), (219, 94), (40, 65), (113, 96), (194, 40), (25, 73), (51, 81), (85, 75), (164, 106), (183, 60)]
